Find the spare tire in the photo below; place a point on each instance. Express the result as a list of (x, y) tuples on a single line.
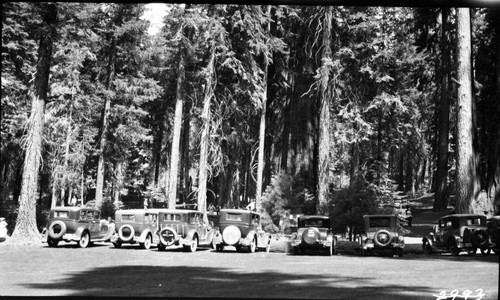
[(480, 238), (168, 236), (231, 235), (382, 238), (310, 235), (57, 229), (126, 232)]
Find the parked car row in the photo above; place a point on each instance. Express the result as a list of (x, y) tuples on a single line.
[(242, 229)]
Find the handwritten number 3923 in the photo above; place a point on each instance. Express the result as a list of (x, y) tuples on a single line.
[(455, 294)]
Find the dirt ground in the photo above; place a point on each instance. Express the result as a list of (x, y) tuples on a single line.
[(103, 271)]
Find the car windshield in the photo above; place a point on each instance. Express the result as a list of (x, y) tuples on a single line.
[(234, 217), (380, 222), (61, 214)]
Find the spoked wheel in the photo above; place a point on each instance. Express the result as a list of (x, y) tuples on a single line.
[(84, 240), (193, 245), (485, 251), (253, 246), (147, 242), (52, 243), (453, 247)]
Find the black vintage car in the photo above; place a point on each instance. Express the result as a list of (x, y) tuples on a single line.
[(242, 228), (457, 233), (80, 224), (382, 232), (314, 233)]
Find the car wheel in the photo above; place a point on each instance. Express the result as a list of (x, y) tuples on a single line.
[(268, 246), (117, 244), (485, 251), (57, 229), (161, 247), (52, 242), (126, 232), (84, 240), (471, 251), (253, 246), (382, 238), (193, 245), (329, 250), (147, 242), (453, 247), (427, 248)]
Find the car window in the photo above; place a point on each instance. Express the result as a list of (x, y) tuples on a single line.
[(90, 215), (96, 215), (171, 217), (61, 214), (380, 222), (150, 217), (473, 221), (128, 217), (234, 217), (313, 223)]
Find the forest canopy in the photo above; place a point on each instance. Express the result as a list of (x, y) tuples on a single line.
[(289, 108)]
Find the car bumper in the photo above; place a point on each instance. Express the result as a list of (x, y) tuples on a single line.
[(318, 244), (371, 245)]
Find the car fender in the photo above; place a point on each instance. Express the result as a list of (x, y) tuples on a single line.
[(190, 235), (144, 234), (79, 231), (251, 234), (110, 232)]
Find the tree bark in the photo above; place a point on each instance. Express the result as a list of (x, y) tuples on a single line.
[(467, 182), (103, 143), (262, 127), (174, 158), (441, 196), (204, 142), (324, 119), (26, 230)]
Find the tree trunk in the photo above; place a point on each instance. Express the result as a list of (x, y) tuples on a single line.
[(26, 230), (441, 196), (107, 106), (262, 127), (467, 182), (204, 142), (324, 119), (174, 158)]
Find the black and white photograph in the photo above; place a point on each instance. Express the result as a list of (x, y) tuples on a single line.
[(286, 149)]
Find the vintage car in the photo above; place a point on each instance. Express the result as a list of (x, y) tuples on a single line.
[(493, 230), (189, 228), (456, 233), (381, 233), (80, 224), (136, 226), (242, 228), (314, 232)]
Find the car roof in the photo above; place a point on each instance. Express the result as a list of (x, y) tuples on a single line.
[(72, 208), (461, 216), (178, 211), (238, 211), (379, 216), (315, 217)]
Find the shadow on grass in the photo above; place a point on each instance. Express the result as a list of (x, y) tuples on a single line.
[(191, 281)]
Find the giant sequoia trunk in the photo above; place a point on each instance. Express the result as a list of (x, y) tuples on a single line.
[(324, 119), (441, 196), (107, 107), (262, 128), (174, 158), (204, 142), (467, 182), (26, 229)]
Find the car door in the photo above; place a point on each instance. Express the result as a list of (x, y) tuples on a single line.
[(201, 228), (95, 225)]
